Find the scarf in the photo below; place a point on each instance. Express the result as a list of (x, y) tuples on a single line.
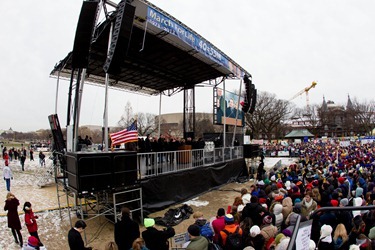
[(327, 239), (308, 204)]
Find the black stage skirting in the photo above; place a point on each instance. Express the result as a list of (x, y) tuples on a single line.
[(165, 190)]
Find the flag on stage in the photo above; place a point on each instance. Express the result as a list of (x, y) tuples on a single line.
[(130, 134)]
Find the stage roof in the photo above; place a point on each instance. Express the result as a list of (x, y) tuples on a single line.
[(168, 56)]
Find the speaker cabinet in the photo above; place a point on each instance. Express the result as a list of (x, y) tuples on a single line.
[(125, 170), (84, 31), (88, 172), (120, 37)]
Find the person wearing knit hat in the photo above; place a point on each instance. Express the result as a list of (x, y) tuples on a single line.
[(334, 203), (230, 227), (325, 240), (268, 230), (358, 192), (154, 238), (267, 220), (148, 222), (32, 243), (254, 231), (196, 241), (341, 180), (255, 239), (278, 238), (344, 202)]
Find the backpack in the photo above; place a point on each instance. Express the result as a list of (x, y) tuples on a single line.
[(234, 240), (206, 231)]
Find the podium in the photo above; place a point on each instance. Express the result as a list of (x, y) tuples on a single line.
[(184, 156)]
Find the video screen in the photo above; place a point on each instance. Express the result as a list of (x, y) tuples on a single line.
[(227, 108)]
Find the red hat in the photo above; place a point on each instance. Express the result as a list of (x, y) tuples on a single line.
[(334, 203), (279, 185), (33, 241), (262, 200), (279, 198), (341, 180)]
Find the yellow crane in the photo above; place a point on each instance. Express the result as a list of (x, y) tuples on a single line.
[(305, 90)]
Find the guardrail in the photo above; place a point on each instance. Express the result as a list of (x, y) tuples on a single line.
[(157, 163)]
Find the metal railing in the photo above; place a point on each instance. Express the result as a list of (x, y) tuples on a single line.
[(157, 163)]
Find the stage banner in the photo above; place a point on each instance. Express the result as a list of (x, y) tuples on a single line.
[(165, 23)]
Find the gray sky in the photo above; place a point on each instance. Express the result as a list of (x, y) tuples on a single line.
[(285, 45)]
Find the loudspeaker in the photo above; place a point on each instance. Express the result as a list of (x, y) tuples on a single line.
[(125, 170), (253, 101), (58, 138), (88, 171), (250, 150), (120, 38), (84, 31)]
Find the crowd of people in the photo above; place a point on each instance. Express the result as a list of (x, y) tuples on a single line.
[(263, 216)]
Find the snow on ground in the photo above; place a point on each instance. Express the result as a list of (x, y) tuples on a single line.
[(52, 228)]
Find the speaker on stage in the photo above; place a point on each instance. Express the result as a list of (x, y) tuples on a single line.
[(97, 171), (84, 31), (120, 37), (250, 150), (125, 169), (89, 172), (253, 101)]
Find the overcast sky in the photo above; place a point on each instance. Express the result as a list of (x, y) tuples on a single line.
[(285, 45)]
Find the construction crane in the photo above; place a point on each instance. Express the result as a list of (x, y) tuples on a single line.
[(305, 90)]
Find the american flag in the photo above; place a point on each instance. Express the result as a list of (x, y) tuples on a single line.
[(130, 134)]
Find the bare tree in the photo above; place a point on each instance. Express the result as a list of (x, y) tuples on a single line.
[(268, 116), (364, 117), (146, 123), (127, 117)]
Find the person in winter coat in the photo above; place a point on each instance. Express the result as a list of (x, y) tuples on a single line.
[(325, 240), (230, 227), (308, 205), (253, 210), (7, 175), (156, 239), (74, 236), (14, 223), (268, 230), (287, 206), (277, 210), (196, 241), (218, 224), (30, 221), (126, 230), (255, 240)]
